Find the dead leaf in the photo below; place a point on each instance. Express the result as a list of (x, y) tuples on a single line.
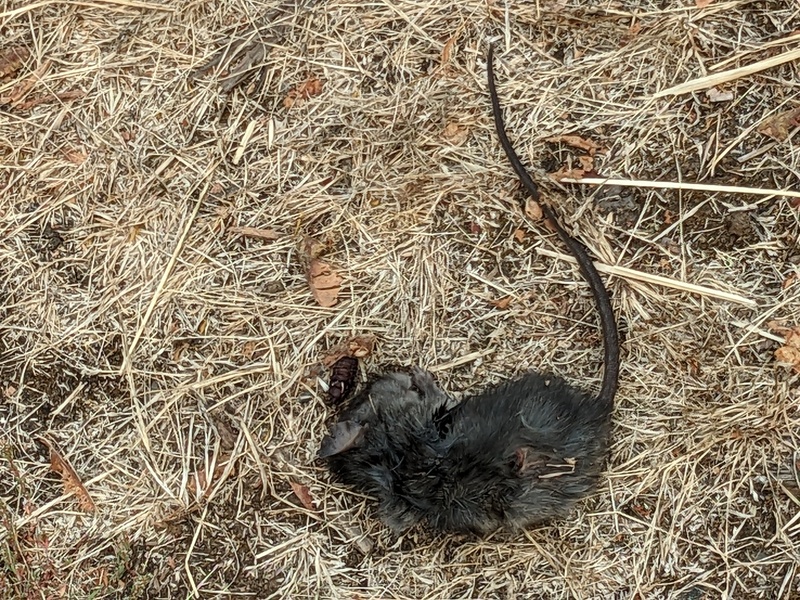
[(72, 483), (51, 98), (312, 248), (324, 283), (519, 234), (778, 126), (303, 91), (715, 95), (787, 283), (201, 483), (789, 353), (565, 173), (303, 494), (577, 141), (533, 210), (447, 51), (361, 346), (76, 157), (269, 235), (702, 3), (502, 303), (455, 134), (587, 163), (11, 60), (248, 349), (23, 87)]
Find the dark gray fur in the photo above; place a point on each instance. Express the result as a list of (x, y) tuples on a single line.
[(516, 455)]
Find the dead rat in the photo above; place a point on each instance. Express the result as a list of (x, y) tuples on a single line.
[(515, 455)]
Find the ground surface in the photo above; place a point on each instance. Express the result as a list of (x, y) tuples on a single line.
[(173, 358)]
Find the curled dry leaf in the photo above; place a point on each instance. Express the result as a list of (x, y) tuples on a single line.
[(447, 51), (502, 303), (533, 210), (702, 3), (778, 126), (11, 60), (303, 494), (269, 235), (72, 483), (577, 141), (324, 283), (303, 91), (312, 248), (565, 173), (202, 481), (361, 346), (455, 134), (789, 353), (519, 234)]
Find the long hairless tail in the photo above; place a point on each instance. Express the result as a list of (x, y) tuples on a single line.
[(607, 321)]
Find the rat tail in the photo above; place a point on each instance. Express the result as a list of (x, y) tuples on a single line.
[(607, 322)]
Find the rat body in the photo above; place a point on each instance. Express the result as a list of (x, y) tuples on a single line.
[(518, 454)]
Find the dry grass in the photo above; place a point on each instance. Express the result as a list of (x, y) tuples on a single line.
[(175, 364)]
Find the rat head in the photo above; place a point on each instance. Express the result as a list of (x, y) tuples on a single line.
[(395, 401)]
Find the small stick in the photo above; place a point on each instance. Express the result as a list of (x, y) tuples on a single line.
[(668, 282), (680, 185), (716, 78)]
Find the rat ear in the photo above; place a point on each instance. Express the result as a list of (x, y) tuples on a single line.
[(343, 436), (529, 462)]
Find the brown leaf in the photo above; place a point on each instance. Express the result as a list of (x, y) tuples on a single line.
[(702, 3), (303, 494), (324, 283), (361, 346), (49, 98), (502, 303), (789, 353), (248, 349), (455, 134), (269, 235), (72, 483), (303, 91), (778, 126), (23, 87), (587, 163), (312, 248), (75, 156), (201, 482), (577, 141), (447, 51), (519, 234), (565, 173), (533, 210), (11, 60)]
